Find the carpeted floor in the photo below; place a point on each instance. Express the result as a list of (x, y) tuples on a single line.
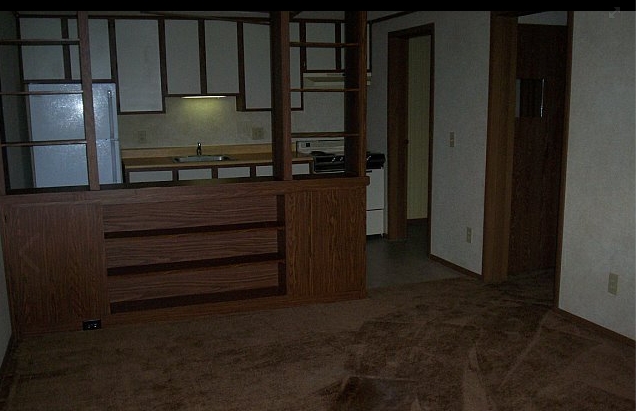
[(451, 344)]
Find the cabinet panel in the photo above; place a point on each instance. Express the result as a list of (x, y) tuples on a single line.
[(42, 62), (99, 48), (206, 280), (138, 65), (256, 46), (230, 172), (329, 226), (222, 57), (182, 57), (148, 176), (188, 247), (323, 59), (55, 266), (195, 174)]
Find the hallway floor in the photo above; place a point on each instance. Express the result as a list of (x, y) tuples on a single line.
[(403, 261)]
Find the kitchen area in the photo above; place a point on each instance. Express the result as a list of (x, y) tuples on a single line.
[(220, 200)]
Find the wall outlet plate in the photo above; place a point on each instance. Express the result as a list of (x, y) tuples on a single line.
[(91, 325)]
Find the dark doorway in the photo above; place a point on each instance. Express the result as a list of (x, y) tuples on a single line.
[(398, 130), (523, 218), (537, 147)]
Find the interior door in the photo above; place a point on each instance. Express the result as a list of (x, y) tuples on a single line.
[(537, 148)]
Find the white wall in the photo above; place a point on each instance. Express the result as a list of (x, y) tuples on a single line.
[(599, 215), (461, 42)]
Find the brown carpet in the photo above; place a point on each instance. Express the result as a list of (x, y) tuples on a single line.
[(454, 344)]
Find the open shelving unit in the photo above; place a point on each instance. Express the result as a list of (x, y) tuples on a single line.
[(355, 92), (86, 92)]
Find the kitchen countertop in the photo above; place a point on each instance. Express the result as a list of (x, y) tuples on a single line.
[(163, 158)]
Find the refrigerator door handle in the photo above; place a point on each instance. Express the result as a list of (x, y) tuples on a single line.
[(110, 115)]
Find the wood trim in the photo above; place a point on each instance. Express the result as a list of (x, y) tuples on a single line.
[(595, 327), (203, 69), (87, 100), (356, 101), (567, 105), (397, 133), (500, 131), (281, 99), (454, 267)]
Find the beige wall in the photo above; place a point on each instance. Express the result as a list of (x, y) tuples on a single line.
[(599, 215), (418, 127)]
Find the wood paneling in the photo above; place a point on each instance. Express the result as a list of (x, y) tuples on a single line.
[(327, 242), (201, 212), (55, 266), (207, 280), (164, 249)]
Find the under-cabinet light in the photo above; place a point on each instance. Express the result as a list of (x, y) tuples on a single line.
[(203, 96)]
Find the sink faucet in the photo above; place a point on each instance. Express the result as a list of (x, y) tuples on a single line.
[(198, 149)]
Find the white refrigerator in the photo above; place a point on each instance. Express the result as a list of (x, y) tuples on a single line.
[(61, 117)]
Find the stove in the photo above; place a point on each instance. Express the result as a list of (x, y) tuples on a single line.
[(328, 156)]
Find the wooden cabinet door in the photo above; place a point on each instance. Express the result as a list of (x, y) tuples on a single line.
[(55, 266), (138, 65), (256, 48)]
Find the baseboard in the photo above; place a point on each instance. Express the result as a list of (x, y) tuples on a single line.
[(596, 327), (446, 263)]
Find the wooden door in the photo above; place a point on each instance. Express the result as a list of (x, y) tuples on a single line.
[(537, 147)]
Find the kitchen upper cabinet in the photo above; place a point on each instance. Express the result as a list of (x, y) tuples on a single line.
[(99, 46), (321, 58), (182, 57), (138, 65), (222, 57), (42, 62), (256, 61), (183, 75)]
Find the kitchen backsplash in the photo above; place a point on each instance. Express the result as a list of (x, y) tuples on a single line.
[(217, 122)]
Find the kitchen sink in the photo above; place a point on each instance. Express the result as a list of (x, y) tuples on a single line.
[(195, 158)]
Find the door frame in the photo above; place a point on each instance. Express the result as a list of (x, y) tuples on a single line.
[(500, 135), (397, 130)]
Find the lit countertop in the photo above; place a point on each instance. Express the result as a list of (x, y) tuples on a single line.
[(163, 158)]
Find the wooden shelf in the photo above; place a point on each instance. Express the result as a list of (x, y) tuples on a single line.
[(39, 42), (322, 45)]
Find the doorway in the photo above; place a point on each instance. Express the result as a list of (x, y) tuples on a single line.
[(409, 129), (521, 233)]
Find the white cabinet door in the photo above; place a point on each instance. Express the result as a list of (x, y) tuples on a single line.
[(147, 176), (222, 57), (42, 62), (182, 57), (138, 65), (230, 172), (301, 168), (195, 174), (99, 47), (256, 46), (321, 58)]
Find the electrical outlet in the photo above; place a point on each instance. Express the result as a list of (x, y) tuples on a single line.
[(452, 139), (91, 325), (141, 137), (613, 282), (469, 234), (258, 133)]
